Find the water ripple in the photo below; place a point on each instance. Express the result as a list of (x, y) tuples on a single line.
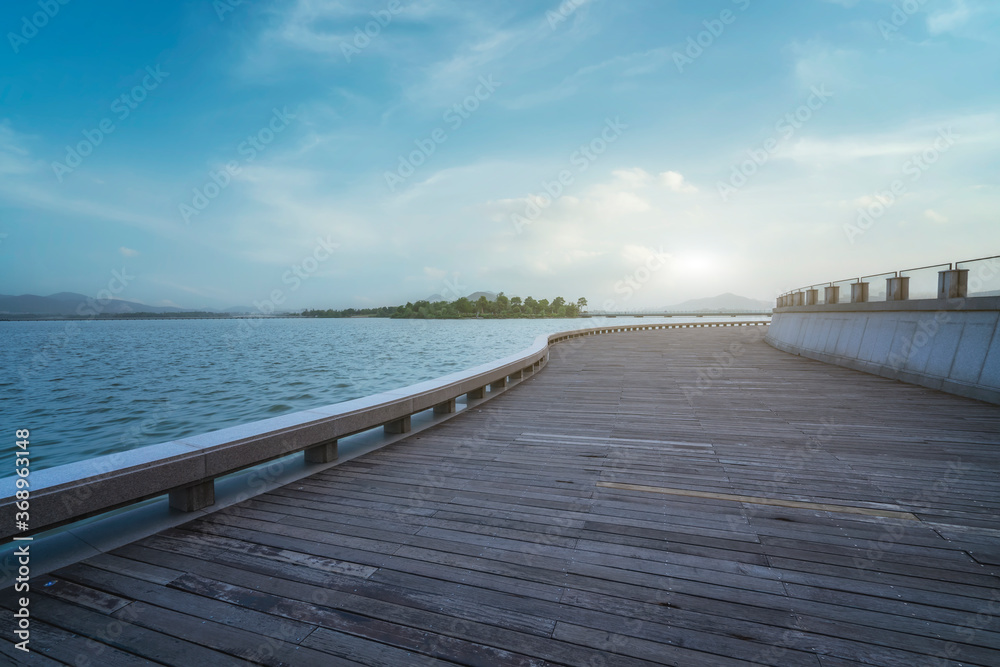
[(113, 386)]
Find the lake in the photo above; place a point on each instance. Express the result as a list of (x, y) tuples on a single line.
[(93, 387)]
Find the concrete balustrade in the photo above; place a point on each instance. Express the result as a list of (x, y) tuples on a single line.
[(859, 292), (832, 294), (953, 284), (185, 470), (897, 289)]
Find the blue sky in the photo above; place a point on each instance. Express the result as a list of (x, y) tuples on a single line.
[(703, 147)]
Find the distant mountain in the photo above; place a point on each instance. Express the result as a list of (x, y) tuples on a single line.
[(490, 296), (723, 302), (67, 303)]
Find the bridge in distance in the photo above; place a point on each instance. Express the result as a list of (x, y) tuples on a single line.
[(742, 313)]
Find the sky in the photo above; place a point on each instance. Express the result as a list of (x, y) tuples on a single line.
[(335, 153)]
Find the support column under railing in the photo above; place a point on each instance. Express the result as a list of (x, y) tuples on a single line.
[(193, 498)]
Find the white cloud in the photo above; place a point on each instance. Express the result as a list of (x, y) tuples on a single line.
[(619, 67), (634, 178), (674, 181), (934, 216), (950, 19), (14, 157)]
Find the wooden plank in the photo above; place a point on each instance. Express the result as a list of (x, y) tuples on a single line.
[(824, 507)]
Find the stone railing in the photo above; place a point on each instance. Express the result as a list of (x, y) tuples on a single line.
[(186, 469)]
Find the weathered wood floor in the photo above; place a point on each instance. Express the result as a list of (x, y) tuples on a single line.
[(792, 513)]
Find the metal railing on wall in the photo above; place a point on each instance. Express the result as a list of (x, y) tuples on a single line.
[(967, 278)]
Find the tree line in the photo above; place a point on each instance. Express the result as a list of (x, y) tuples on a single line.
[(501, 308)]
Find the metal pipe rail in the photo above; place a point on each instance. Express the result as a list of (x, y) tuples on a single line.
[(894, 273), (187, 468)]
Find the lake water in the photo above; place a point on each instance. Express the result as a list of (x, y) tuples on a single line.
[(95, 387)]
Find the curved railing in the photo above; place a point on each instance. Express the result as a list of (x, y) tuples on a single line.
[(967, 278), (186, 469)]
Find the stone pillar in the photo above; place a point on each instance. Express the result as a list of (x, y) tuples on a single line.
[(859, 292), (398, 426), (897, 289), (445, 408), (476, 393), (192, 498), (812, 297), (953, 284), (832, 294), (325, 452), (517, 375), (798, 299), (499, 384)]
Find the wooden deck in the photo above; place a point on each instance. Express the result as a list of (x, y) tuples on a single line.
[(613, 510)]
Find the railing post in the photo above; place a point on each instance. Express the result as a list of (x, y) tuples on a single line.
[(953, 284), (832, 294), (499, 384), (812, 297), (798, 298), (897, 289), (325, 452), (477, 393), (398, 426), (859, 292), (445, 408), (193, 498)]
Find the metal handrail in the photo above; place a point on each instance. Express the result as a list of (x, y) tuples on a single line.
[(876, 275), (894, 273), (921, 268), (969, 261)]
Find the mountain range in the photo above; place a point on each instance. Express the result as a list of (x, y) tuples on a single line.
[(490, 296), (727, 301), (68, 303)]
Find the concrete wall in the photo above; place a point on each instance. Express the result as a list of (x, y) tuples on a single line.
[(951, 345)]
